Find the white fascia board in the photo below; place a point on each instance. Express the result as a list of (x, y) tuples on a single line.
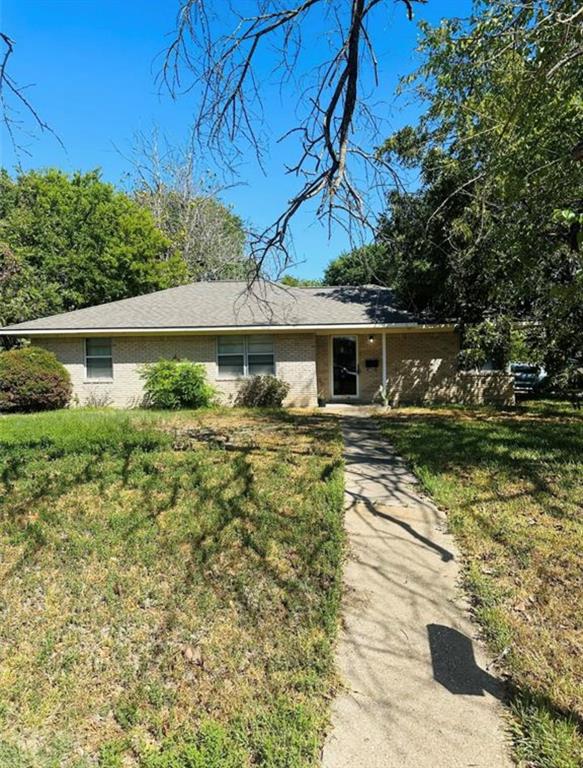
[(223, 329)]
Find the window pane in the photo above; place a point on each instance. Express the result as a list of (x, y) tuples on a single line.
[(261, 369), (231, 365), (261, 365), (99, 368), (98, 347), (231, 345), (260, 345)]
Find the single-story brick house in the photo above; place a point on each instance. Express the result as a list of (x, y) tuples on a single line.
[(332, 344)]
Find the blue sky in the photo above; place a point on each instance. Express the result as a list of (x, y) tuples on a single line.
[(92, 67)]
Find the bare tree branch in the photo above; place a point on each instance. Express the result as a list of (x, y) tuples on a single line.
[(222, 54), (10, 91)]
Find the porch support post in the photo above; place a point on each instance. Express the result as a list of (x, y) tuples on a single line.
[(384, 350)]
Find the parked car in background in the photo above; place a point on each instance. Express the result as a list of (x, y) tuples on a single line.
[(527, 378)]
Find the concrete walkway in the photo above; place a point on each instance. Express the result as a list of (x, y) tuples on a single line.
[(418, 693)]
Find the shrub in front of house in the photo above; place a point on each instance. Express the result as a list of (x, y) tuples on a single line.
[(32, 379), (262, 392), (176, 384)]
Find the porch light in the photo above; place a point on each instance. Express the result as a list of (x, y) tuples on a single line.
[(371, 339)]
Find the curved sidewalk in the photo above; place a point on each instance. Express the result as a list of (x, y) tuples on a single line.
[(417, 690)]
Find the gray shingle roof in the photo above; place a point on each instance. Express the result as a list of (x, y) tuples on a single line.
[(227, 304)]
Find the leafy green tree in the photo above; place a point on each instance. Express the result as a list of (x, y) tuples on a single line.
[(481, 238), (23, 293), (367, 264), (73, 241), (299, 282), (422, 236)]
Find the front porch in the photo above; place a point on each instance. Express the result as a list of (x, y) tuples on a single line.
[(418, 365)]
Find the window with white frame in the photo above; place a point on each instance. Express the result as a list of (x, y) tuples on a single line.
[(245, 356), (98, 359)]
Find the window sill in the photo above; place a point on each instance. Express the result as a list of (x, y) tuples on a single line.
[(97, 381)]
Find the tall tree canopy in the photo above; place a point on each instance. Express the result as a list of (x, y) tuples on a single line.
[(71, 241), (366, 264), (492, 233), (186, 207)]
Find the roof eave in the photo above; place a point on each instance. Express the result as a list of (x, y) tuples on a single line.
[(29, 332)]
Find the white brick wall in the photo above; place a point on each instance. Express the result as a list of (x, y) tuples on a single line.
[(295, 357), (419, 364), (295, 362), (422, 368)]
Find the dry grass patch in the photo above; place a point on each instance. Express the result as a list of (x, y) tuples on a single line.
[(167, 602), (512, 483)]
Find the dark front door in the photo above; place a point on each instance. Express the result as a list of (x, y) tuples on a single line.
[(344, 366)]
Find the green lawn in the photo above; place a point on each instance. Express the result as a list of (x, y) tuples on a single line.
[(512, 483), (167, 601)]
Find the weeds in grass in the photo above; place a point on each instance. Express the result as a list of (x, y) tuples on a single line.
[(512, 486), (162, 606), (544, 737)]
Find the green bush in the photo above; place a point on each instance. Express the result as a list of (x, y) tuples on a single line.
[(32, 379), (263, 392), (176, 384)]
